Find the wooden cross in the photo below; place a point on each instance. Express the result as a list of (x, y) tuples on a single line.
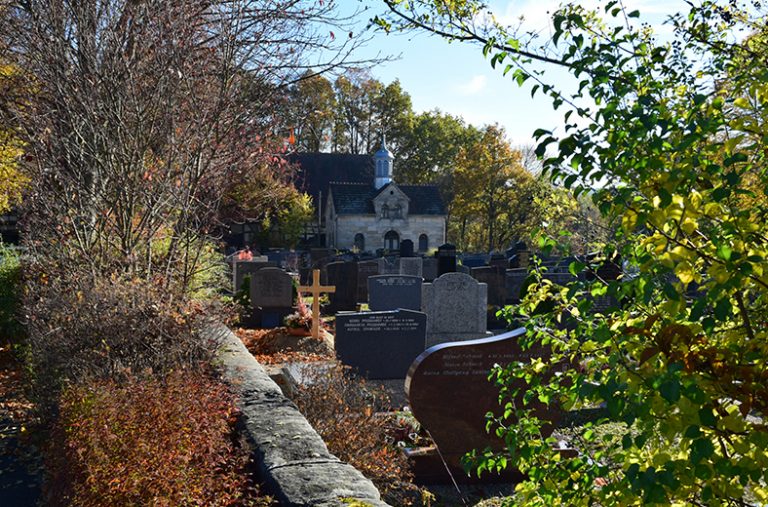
[(316, 289)]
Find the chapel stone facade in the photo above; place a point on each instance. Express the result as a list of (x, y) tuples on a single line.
[(367, 216)]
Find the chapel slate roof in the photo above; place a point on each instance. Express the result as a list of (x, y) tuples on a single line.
[(315, 171), (351, 198)]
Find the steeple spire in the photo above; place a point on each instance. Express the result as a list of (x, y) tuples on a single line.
[(383, 162)]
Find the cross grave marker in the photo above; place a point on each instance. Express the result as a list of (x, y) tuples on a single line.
[(316, 290)]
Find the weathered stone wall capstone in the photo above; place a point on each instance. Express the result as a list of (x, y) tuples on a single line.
[(292, 459)]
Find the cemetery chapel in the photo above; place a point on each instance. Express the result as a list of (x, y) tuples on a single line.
[(365, 209)]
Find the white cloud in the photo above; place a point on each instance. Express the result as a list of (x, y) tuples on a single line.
[(473, 86)]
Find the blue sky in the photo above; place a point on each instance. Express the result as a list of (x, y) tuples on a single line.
[(455, 77)]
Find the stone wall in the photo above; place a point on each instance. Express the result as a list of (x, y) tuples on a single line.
[(291, 458), (373, 229)]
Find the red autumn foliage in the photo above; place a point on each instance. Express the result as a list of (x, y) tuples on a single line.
[(160, 442)]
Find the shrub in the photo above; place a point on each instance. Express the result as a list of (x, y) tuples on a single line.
[(147, 442), (80, 328), (348, 413)]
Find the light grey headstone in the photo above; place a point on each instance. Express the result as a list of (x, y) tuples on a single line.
[(456, 306), (411, 266), (241, 269), (271, 288), (388, 266)]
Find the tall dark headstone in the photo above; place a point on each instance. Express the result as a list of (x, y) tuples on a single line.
[(342, 275), (494, 278), (498, 260), (406, 248), (365, 269), (446, 259), (380, 345), (390, 292), (514, 279), (429, 268)]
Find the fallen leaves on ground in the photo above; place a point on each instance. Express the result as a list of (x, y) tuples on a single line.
[(259, 343)]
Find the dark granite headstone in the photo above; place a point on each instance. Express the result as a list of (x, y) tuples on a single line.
[(514, 279), (498, 260), (449, 392), (494, 278), (365, 269), (446, 259), (429, 269), (474, 260), (380, 345), (390, 292), (406, 248), (343, 276)]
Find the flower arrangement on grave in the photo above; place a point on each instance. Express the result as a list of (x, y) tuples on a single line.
[(301, 318)]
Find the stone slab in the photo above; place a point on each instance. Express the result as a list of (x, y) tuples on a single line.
[(380, 345)]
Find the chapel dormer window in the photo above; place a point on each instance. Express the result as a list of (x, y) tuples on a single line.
[(397, 212), (385, 211)]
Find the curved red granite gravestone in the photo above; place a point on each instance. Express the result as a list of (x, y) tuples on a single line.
[(449, 391)]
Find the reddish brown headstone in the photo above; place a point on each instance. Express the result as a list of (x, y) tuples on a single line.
[(449, 391)]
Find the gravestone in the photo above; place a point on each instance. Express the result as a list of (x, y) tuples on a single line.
[(241, 269), (271, 296), (429, 268), (514, 279), (406, 248), (380, 345), (498, 260), (412, 266), (390, 292), (456, 306), (494, 278), (449, 393), (474, 260), (389, 266), (319, 254), (446, 259), (343, 276), (365, 269)]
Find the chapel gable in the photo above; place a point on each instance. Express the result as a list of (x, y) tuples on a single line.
[(391, 203)]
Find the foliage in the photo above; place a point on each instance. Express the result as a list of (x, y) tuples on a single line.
[(80, 329), (13, 181), (10, 293), (497, 201), (148, 442), (343, 409), (671, 144)]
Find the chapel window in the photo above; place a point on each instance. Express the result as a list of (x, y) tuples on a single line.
[(423, 243)]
